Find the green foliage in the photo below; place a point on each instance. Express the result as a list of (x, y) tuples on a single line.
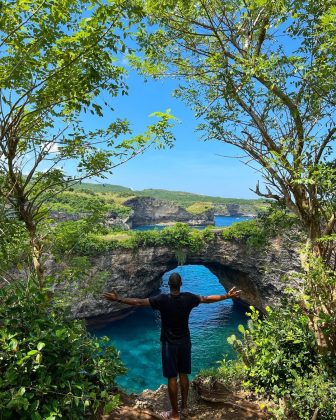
[(69, 235), (315, 391), (179, 236), (231, 373), (71, 202), (56, 59), (277, 349), (50, 366), (88, 187), (277, 220), (267, 225), (249, 230), (317, 294), (282, 361), (78, 237), (250, 71), (83, 237), (14, 243)]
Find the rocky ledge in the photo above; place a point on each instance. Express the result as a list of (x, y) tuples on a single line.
[(258, 272), (235, 210), (208, 399)]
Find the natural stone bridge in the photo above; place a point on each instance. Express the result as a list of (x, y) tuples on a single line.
[(138, 273)]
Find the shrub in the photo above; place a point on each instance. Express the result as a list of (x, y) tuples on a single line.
[(231, 373), (276, 219), (50, 366), (14, 242), (88, 203), (282, 361), (250, 230), (259, 231), (315, 391), (81, 237)]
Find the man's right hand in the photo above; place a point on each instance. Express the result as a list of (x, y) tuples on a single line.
[(111, 296), (125, 300)]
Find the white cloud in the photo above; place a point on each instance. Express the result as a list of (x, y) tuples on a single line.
[(53, 148)]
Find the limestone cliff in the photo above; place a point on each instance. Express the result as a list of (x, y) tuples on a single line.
[(138, 273), (236, 210), (148, 211), (113, 219)]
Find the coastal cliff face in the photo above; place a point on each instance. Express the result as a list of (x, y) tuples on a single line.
[(138, 273), (235, 210), (147, 211), (151, 211)]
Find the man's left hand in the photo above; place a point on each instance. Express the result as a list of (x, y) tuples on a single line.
[(233, 293)]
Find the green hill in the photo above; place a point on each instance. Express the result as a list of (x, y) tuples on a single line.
[(102, 188), (195, 203), (186, 199)]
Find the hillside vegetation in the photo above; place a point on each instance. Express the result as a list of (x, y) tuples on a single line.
[(195, 203), (89, 202)]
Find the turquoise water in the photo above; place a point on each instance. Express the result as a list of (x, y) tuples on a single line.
[(137, 336), (220, 221)]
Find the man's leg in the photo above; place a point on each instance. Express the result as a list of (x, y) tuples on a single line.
[(184, 368), (170, 371), (184, 383), (173, 393)]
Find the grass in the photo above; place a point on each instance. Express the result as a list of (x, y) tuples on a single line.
[(199, 207), (231, 373), (86, 201)]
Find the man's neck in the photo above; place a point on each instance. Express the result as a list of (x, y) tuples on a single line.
[(174, 292)]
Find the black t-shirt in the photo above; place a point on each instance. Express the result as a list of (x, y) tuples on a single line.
[(175, 310)]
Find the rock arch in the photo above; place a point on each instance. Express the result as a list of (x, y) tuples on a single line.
[(138, 273)]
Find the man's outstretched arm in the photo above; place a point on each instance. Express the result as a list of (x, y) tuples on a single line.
[(231, 294), (113, 296)]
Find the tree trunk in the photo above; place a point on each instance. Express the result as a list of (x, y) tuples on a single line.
[(36, 248)]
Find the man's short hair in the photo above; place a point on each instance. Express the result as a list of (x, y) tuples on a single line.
[(175, 281)]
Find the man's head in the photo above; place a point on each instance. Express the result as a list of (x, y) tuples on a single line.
[(175, 281)]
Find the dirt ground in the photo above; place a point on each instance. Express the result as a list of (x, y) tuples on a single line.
[(204, 404)]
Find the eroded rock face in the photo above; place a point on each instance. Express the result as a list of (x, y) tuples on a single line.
[(114, 220), (138, 273), (235, 210), (147, 211), (63, 216)]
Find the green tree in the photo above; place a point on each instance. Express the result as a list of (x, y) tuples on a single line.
[(50, 365), (57, 59), (261, 76)]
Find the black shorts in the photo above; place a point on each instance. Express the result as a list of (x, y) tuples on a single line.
[(176, 358)]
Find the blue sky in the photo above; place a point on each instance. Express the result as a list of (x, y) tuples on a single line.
[(192, 165)]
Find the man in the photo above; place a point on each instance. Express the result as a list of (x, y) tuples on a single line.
[(175, 309)]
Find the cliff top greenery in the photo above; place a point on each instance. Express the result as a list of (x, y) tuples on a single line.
[(88, 237)]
